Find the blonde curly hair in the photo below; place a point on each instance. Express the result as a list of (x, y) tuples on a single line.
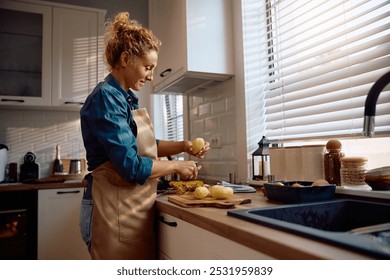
[(127, 35)]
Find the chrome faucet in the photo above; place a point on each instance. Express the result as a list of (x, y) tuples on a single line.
[(370, 106)]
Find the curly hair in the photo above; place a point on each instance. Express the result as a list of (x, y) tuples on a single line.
[(127, 35)]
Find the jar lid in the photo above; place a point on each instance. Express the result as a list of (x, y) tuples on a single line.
[(333, 144), (354, 159)]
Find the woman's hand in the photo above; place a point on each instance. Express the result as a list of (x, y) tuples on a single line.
[(188, 170), (201, 153)]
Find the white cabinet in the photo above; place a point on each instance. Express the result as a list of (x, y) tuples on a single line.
[(59, 235), (197, 43), (77, 54), (25, 54), (51, 54), (180, 240)]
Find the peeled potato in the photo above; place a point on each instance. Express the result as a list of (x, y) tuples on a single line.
[(201, 192), (197, 145), (213, 188), (221, 192), (319, 182), (278, 184)]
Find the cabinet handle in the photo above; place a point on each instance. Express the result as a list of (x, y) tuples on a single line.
[(167, 71), (171, 224), (65, 192), (72, 102), (12, 100)]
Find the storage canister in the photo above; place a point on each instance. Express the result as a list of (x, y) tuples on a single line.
[(353, 171)]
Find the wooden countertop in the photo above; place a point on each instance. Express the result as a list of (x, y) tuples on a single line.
[(273, 242), (26, 187)]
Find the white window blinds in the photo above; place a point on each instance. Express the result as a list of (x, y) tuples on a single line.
[(169, 117), (322, 57)]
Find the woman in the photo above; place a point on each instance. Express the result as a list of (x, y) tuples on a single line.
[(122, 151)]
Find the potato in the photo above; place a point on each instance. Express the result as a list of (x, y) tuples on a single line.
[(201, 192), (278, 184), (221, 192), (213, 188), (296, 185), (197, 145), (319, 182)]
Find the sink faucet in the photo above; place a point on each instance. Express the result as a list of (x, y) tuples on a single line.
[(370, 106)]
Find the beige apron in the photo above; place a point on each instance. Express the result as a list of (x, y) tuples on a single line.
[(123, 215)]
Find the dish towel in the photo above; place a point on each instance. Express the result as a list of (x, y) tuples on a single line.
[(238, 188)]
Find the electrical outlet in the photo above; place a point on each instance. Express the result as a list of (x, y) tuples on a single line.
[(216, 142)]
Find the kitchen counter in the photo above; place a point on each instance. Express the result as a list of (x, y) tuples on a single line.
[(25, 187), (273, 242)]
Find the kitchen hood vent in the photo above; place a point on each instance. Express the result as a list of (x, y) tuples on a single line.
[(190, 82)]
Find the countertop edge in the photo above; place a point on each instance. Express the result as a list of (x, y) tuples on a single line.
[(29, 187)]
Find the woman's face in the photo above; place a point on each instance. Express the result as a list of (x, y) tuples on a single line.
[(139, 71)]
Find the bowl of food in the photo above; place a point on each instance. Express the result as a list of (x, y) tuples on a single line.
[(299, 191)]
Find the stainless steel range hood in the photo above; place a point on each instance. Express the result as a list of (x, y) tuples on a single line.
[(189, 82)]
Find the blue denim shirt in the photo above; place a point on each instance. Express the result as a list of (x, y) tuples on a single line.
[(109, 131)]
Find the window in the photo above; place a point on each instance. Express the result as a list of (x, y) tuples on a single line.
[(169, 117), (310, 64)]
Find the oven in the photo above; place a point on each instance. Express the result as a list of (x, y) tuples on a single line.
[(18, 225)]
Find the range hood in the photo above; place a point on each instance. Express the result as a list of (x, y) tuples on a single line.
[(189, 82)]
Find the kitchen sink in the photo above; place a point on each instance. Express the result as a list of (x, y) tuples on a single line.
[(357, 225)]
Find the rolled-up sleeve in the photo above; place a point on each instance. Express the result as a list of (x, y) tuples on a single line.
[(108, 117)]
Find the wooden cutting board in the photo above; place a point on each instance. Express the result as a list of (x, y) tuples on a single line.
[(188, 200)]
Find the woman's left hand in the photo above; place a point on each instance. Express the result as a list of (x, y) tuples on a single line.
[(201, 153)]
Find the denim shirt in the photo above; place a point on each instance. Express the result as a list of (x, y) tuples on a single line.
[(109, 131)]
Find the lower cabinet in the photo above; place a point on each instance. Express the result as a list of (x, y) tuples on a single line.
[(58, 225), (180, 240)]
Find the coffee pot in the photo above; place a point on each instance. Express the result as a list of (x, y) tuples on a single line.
[(3, 161)]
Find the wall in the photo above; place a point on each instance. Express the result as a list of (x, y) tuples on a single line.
[(39, 131), (212, 115)]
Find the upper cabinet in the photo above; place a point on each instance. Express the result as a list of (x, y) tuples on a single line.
[(197, 43), (25, 53), (52, 55), (77, 54)]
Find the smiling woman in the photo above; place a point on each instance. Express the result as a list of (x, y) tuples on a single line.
[(122, 151)]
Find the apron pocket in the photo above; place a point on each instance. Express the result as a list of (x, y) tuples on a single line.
[(135, 214), (85, 222)]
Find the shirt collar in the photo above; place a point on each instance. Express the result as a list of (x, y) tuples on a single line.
[(130, 96)]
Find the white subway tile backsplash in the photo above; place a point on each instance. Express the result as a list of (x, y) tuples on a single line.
[(196, 100), (197, 128), (227, 120), (217, 114), (39, 131), (211, 124), (218, 106), (204, 109)]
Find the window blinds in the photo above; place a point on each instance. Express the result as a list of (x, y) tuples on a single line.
[(322, 57), (174, 117), (169, 117)]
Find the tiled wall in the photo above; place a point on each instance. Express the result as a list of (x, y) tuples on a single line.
[(212, 115), (39, 131)]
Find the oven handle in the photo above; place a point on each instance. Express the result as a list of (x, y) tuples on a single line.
[(67, 192)]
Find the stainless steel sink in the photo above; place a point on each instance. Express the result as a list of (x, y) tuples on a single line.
[(357, 225)]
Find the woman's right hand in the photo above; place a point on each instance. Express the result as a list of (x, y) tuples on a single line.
[(188, 170)]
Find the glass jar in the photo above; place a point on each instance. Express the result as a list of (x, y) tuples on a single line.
[(353, 171), (332, 162)]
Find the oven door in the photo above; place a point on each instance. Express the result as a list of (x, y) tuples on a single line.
[(18, 225)]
